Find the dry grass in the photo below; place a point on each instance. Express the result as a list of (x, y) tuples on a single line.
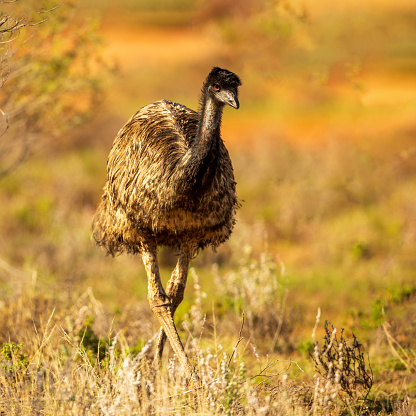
[(337, 231), (71, 356), (349, 240)]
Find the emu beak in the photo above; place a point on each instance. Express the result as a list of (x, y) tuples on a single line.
[(231, 99), (236, 103)]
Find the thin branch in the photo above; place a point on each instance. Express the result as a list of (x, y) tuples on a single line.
[(50, 10), (240, 338), (18, 24), (289, 364)]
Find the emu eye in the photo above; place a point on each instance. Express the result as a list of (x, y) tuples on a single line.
[(216, 87)]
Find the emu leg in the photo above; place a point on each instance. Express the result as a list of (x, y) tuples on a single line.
[(161, 306), (175, 289)]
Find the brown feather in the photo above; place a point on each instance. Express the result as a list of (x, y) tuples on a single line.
[(162, 189)]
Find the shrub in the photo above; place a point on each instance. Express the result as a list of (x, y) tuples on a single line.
[(343, 372)]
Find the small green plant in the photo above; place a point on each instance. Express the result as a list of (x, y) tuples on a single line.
[(377, 312), (12, 359), (92, 346), (306, 347), (401, 293), (397, 294)]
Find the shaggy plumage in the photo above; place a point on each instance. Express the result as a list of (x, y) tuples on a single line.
[(169, 178)]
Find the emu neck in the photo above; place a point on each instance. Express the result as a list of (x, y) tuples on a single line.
[(208, 133), (210, 118), (201, 160)]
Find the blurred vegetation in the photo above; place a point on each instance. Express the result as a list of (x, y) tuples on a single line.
[(55, 75), (324, 156)]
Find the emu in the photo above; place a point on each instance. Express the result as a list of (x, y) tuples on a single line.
[(170, 182)]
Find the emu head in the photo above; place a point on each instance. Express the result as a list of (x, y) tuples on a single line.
[(223, 86)]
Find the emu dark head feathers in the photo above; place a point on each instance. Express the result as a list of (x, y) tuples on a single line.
[(223, 77), (223, 85)]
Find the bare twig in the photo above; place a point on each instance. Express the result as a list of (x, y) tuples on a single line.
[(49, 10), (270, 376), (240, 338)]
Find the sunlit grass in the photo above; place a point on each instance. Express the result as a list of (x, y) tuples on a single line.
[(324, 156), (338, 224), (76, 356)]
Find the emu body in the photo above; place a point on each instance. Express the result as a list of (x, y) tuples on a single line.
[(170, 182)]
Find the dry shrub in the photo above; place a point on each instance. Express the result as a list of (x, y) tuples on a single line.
[(344, 375)]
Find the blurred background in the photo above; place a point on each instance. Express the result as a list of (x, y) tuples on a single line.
[(323, 147)]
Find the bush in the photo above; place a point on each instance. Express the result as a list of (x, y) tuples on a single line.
[(343, 372), (55, 76)]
